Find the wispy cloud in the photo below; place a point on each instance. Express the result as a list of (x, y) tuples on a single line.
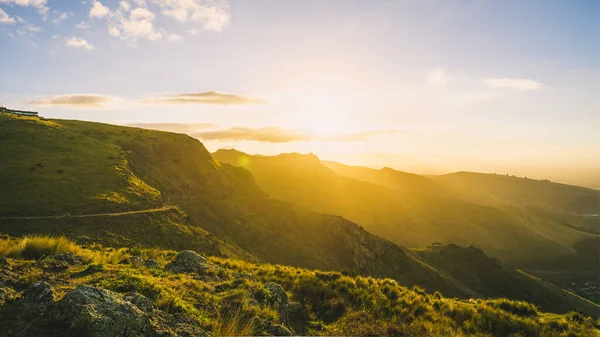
[(212, 15), (5, 18), (520, 84), (78, 42), (175, 127), (280, 135), (62, 17), (208, 97), (437, 77), (76, 100), (272, 134)]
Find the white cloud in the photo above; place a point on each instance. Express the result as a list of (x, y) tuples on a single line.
[(175, 37), (137, 25), (55, 37), (125, 6), (83, 25), (437, 77), (140, 3), (98, 10), (78, 42), (62, 17), (40, 5), (211, 14), (32, 28), (520, 84), (5, 18)]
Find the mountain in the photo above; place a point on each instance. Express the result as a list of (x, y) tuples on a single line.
[(112, 184), (411, 210), (130, 187)]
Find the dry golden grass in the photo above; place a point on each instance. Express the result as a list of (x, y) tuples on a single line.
[(235, 324)]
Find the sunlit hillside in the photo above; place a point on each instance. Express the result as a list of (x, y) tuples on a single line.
[(218, 209), (416, 211)]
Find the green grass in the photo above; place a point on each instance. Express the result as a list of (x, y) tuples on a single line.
[(218, 209), (87, 172), (326, 303)]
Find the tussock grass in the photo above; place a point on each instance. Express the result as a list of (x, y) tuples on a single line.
[(233, 300), (235, 323)]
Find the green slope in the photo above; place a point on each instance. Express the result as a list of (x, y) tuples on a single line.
[(176, 170), (218, 207)]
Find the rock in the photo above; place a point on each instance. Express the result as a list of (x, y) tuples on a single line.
[(278, 295), (134, 260), (69, 258), (39, 293), (5, 264), (95, 312), (142, 302), (279, 300), (151, 263), (188, 261)]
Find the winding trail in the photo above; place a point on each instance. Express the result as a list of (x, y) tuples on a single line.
[(152, 210)]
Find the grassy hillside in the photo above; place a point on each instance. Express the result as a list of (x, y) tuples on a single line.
[(219, 199), (411, 211), (199, 204), (52, 287)]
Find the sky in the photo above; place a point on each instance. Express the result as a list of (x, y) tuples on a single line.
[(427, 86)]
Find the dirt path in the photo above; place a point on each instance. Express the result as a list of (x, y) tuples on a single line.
[(153, 210)]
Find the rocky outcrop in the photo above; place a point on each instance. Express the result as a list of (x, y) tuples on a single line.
[(188, 261), (96, 312), (279, 300)]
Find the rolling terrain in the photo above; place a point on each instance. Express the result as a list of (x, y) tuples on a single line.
[(416, 211), (164, 190)]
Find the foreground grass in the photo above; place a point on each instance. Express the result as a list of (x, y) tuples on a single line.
[(232, 298)]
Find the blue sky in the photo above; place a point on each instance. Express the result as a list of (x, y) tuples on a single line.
[(492, 81)]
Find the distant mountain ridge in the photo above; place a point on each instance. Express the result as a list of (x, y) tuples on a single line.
[(414, 210)]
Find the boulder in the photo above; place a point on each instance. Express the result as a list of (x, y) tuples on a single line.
[(278, 300), (142, 302), (188, 261), (94, 312), (39, 293), (278, 294)]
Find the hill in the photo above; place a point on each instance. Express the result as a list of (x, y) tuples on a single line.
[(219, 199), (167, 191), (52, 287), (409, 209)]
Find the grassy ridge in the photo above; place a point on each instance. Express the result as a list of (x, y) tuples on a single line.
[(220, 209), (233, 298)]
